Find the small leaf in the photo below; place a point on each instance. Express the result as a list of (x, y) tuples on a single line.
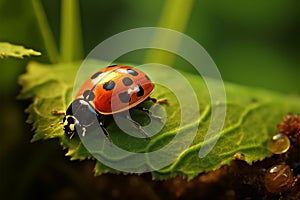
[(17, 51), (251, 119)]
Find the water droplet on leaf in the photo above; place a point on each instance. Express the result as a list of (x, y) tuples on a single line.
[(279, 144)]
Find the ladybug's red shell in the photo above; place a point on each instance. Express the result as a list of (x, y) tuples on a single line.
[(117, 88)]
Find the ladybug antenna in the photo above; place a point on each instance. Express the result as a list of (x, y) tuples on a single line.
[(57, 112), (55, 124)]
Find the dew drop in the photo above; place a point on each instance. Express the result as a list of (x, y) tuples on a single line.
[(279, 144), (278, 178)]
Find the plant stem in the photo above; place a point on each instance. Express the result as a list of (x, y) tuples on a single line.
[(174, 16), (47, 35), (71, 38)]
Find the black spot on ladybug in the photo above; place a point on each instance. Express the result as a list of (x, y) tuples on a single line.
[(140, 92), (147, 77), (88, 95), (127, 81), (109, 85), (124, 97), (111, 66), (96, 75), (132, 72)]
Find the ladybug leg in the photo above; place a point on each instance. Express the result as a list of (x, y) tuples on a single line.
[(72, 134), (138, 126), (105, 132), (149, 113), (154, 100), (57, 112)]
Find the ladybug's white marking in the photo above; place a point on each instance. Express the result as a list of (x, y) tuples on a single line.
[(72, 127), (83, 102), (83, 131), (135, 89), (65, 123), (123, 71)]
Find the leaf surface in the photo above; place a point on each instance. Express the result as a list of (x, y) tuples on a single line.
[(17, 51), (251, 119)]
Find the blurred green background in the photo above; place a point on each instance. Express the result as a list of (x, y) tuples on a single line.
[(253, 43)]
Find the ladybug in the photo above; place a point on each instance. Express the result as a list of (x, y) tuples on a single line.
[(109, 91)]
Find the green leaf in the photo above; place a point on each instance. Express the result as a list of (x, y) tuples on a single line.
[(251, 119), (17, 51)]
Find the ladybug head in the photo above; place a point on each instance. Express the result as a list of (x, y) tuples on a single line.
[(79, 116), (72, 125)]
